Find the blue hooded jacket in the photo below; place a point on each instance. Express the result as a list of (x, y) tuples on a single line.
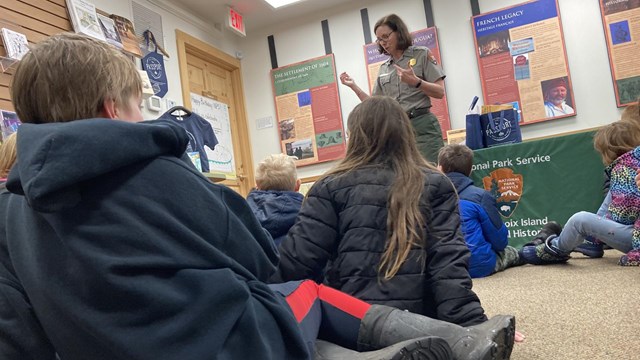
[(276, 211), (483, 228), (113, 246)]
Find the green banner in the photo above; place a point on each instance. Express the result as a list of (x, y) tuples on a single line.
[(302, 76), (541, 180)]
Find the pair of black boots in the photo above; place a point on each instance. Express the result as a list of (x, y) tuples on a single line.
[(387, 333)]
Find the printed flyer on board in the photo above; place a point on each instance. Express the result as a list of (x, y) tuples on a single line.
[(308, 111), (522, 60), (621, 20), (426, 37)]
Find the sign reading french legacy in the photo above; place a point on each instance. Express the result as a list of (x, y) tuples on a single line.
[(523, 62)]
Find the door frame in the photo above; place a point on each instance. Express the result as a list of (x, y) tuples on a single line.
[(242, 147)]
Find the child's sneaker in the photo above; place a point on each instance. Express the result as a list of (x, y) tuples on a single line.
[(548, 229), (591, 249), (543, 254), (632, 258)]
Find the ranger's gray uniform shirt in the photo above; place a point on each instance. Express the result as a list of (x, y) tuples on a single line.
[(410, 98)]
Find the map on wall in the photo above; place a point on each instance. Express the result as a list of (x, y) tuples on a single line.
[(308, 111), (522, 60), (426, 37), (621, 20)]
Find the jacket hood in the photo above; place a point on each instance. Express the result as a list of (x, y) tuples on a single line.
[(460, 181), (630, 157), (276, 210), (56, 158)]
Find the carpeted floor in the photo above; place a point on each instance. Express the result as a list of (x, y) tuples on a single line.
[(585, 309)]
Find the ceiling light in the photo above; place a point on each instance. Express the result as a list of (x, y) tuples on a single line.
[(280, 3)]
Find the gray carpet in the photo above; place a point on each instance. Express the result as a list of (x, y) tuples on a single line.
[(585, 309)]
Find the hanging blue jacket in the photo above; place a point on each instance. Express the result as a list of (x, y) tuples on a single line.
[(483, 228), (276, 210)]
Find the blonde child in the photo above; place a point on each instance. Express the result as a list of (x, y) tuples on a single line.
[(7, 156), (276, 200)]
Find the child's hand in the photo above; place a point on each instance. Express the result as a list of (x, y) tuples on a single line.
[(519, 337)]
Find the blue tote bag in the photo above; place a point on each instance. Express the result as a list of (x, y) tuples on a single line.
[(473, 129), (153, 64), (500, 127)]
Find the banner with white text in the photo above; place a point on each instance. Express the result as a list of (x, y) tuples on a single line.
[(541, 180)]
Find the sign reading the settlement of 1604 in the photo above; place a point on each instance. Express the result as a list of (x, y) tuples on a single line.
[(308, 111)]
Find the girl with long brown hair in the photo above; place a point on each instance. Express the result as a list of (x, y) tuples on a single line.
[(383, 224)]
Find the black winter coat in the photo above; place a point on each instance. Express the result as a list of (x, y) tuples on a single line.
[(342, 226)]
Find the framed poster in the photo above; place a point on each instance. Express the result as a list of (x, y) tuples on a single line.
[(426, 37), (621, 21), (308, 111), (523, 61)]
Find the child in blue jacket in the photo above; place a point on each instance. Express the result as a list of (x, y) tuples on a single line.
[(276, 201), (484, 231)]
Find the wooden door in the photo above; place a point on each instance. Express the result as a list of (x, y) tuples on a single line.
[(213, 74)]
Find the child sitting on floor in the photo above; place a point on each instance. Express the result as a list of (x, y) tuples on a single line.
[(617, 224), (484, 231), (276, 200)]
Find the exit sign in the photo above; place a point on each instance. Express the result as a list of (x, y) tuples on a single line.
[(235, 22)]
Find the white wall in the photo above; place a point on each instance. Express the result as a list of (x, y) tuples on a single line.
[(302, 40), (170, 22)]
